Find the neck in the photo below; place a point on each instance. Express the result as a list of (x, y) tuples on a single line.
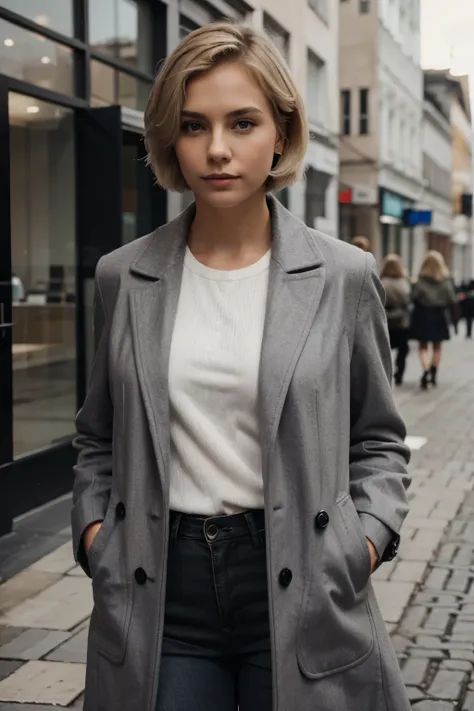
[(233, 230)]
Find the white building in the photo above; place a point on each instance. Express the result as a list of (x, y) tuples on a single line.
[(306, 32), (381, 84)]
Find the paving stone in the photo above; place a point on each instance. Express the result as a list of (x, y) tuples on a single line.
[(8, 633), (409, 571), (447, 684), (438, 619), (43, 683), (23, 587), (77, 571), (414, 693), (7, 667), (432, 705), (456, 664), (74, 650), (414, 671), (59, 561), (27, 707), (33, 644), (413, 618), (59, 607), (393, 597), (428, 653), (437, 578), (468, 704)]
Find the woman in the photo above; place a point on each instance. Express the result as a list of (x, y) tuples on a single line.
[(433, 295), (242, 466), (397, 303)]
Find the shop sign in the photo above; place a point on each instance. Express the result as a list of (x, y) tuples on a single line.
[(364, 195), (392, 205), (416, 218)]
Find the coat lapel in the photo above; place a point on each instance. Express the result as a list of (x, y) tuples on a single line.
[(296, 282), (153, 309)]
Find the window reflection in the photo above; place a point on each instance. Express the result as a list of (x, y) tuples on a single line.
[(132, 92), (35, 59), (122, 29), (54, 14), (43, 261), (102, 84)]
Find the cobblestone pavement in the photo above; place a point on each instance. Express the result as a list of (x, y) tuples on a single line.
[(426, 594)]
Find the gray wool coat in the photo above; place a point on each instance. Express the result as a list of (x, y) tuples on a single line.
[(332, 441)]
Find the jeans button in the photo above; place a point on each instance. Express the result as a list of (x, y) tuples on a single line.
[(212, 531)]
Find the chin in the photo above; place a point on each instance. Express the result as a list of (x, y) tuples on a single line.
[(225, 199)]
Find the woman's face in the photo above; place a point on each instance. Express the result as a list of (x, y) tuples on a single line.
[(227, 138)]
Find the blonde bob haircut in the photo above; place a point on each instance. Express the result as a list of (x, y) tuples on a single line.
[(434, 266), (202, 50), (392, 267)]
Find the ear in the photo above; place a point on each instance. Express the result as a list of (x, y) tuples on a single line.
[(279, 144)]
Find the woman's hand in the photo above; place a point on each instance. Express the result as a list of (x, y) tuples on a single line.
[(374, 557), (90, 533)]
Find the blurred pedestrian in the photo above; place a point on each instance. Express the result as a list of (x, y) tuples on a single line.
[(433, 296), (397, 307), (242, 464), (362, 242), (467, 305)]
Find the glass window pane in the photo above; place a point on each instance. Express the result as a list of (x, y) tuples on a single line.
[(43, 262), (55, 14), (133, 93), (102, 84), (122, 29), (35, 59)]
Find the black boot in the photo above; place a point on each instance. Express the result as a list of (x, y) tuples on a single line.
[(433, 373), (424, 380), (398, 378)]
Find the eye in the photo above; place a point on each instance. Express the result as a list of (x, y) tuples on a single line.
[(191, 127), (244, 124)]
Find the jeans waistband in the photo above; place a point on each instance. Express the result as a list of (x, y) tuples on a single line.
[(218, 528)]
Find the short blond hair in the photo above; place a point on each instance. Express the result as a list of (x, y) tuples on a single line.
[(392, 267), (434, 266), (200, 51)]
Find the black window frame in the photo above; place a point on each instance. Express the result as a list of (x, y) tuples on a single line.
[(346, 103), (364, 95)]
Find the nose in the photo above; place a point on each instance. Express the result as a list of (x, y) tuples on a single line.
[(219, 150)]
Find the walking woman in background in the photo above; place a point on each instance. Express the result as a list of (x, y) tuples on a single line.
[(433, 296), (397, 304), (242, 465)]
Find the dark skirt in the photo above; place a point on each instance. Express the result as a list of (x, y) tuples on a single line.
[(430, 324)]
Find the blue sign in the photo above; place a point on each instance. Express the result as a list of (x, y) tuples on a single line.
[(392, 205), (416, 218)]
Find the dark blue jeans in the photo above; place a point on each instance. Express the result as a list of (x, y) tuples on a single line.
[(216, 644)]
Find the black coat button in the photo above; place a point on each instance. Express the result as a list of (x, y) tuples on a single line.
[(322, 519), (285, 577), (120, 511), (140, 576)]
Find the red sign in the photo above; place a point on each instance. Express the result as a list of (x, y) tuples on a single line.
[(345, 197)]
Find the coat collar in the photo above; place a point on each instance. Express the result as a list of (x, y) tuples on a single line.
[(293, 246)]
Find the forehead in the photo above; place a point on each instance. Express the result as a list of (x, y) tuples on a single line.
[(224, 88)]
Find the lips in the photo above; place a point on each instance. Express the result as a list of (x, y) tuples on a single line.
[(220, 176)]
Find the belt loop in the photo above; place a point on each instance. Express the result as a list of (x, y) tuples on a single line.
[(248, 515), (175, 527)]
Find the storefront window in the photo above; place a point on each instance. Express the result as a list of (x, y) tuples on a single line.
[(54, 14), (44, 265), (132, 93), (34, 59), (122, 29), (102, 84)]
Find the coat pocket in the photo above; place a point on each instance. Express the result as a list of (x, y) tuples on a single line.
[(335, 629), (111, 590)]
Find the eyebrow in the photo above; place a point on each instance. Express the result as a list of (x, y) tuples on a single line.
[(231, 114)]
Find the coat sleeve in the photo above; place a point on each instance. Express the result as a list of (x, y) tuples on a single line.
[(93, 470), (378, 456)]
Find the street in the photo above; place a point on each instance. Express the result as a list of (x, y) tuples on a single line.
[(426, 594)]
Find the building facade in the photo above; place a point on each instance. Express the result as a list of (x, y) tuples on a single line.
[(437, 144), (381, 107), (451, 97), (74, 80)]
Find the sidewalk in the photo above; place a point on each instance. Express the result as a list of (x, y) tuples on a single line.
[(44, 610)]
